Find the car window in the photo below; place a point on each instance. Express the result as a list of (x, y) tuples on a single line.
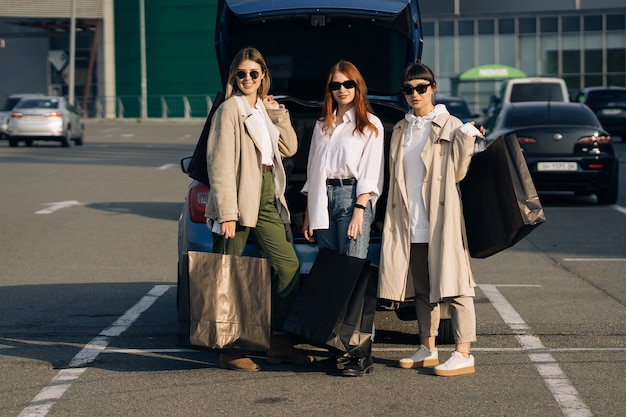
[(39, 104), (10, 102), (536, 92), (548, 115), (604, 97), (458, 109)]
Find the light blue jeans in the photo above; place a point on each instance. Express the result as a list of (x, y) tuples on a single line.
[(341, 200)]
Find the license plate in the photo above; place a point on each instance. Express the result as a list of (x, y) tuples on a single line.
[(557, 166)]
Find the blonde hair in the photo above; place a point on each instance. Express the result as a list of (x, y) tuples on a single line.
[(248, 54)]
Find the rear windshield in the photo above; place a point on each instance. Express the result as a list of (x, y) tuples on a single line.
[(602, 98), (549, 115), (458, 109), (300, 54), (536, 92), (39, 104)]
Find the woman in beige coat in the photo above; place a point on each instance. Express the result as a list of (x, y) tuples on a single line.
[(249, 136), (423, 244)]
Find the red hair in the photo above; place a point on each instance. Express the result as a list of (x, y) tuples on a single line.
[(361, 104)]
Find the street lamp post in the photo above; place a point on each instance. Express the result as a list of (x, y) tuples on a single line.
[(72, 53)]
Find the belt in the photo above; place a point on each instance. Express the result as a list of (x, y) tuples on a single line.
[(337, 182), (266, 168)]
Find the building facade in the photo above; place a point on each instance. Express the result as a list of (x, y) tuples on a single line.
[(581, 41)]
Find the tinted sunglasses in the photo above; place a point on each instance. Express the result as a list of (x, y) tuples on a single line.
[(421, 89), (348, 84), (241, 74)]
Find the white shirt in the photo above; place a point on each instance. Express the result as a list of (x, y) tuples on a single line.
[(415, 138), (343, 154), (264, 138)]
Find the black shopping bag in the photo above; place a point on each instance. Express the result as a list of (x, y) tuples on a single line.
[(500, 202), (336, 304), (229, 301)]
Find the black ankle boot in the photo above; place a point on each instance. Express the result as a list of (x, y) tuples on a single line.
[(358, 366)]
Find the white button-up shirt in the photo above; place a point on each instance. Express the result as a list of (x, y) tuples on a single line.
[(258, 114), (343, 154)]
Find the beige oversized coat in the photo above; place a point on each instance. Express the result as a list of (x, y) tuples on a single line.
[(447, 155), (234, 161)]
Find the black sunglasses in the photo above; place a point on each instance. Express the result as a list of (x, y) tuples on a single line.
[(241, 74), (348, 84), (421, 89)]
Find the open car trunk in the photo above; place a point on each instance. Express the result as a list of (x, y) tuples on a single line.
[(301, 40)]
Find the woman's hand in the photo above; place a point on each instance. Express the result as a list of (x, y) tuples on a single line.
[(228, 229), (306, 231), (355, 228), (270, 103)]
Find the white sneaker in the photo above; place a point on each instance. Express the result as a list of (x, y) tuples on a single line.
[(456, 365), (420, 359)]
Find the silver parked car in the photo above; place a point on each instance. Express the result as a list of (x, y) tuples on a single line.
[(45, 118), (6, 109)]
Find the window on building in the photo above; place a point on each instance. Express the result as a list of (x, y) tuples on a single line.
[(593, 23), (428, 28), (549, 24), (615, 22), (486, 27), (506, 26), (466, 27), (527, 25), (446, 28), (570, 24)]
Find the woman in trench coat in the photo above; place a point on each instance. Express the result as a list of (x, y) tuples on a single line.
[(423, 245)]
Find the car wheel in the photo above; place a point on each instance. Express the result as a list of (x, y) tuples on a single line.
[(28, 142), (608, 195), (446, 334), (79, 140), (66, 141), (13, 143)]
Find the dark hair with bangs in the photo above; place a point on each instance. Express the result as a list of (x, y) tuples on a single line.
[(418, 71)]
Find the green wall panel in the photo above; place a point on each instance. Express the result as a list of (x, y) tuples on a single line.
[(180, 51)]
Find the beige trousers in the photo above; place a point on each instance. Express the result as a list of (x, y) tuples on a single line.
[(428, 314)]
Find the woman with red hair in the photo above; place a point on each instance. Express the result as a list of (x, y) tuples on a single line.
[(345, 179)]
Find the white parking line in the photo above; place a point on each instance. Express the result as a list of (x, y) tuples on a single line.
[(168, 166), (41, 404), (619, 208), (563, 391)]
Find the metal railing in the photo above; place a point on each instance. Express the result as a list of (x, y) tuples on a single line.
[(159, 107)]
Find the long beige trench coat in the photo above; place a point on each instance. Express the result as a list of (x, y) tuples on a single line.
[(234, 161), (447, 155)]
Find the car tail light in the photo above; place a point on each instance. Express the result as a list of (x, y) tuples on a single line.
[(16, 115), (590, 140), (525, 140), (54, 115), (595, 166), (198, 197)]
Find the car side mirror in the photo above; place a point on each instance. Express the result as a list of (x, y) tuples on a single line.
[(184, 164)]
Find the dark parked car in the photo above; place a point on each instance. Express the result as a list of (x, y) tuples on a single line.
[(46, 118), (609, 105), (299, 40), (457, 107), (564, 145)]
